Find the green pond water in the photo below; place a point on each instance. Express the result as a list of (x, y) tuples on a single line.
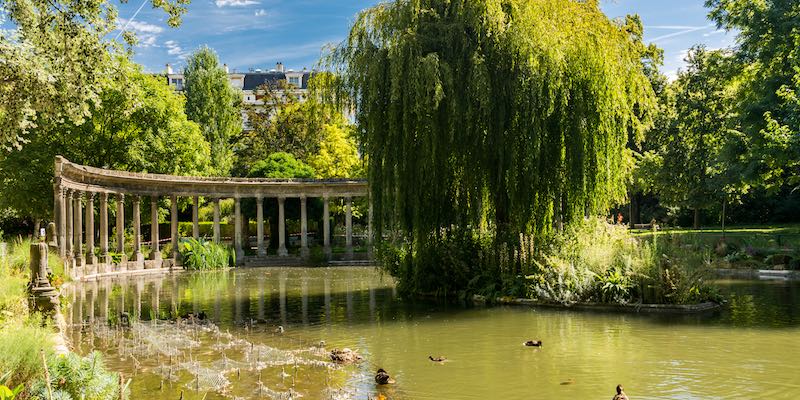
[(747, 350)]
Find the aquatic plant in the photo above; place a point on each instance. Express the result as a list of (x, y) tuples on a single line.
[(200, 254)]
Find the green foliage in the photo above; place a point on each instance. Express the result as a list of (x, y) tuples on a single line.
[(57, 56), (19, 259), (281, 165), (310, 128), (8, 394), (73, 377), (204, 255), (768, 85), (138, 125), (498, 116), (689, 168), (337, 156), (21, 343), (213, 104)]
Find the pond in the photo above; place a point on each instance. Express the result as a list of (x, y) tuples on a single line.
[(747, 350)]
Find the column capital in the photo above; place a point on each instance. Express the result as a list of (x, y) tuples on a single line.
[(120, 196), (135, 198), (260, 199), (89, 196), (103, 197)]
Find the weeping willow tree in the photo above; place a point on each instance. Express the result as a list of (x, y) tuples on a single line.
[(493, 119)]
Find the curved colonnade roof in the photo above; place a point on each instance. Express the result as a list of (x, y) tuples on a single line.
[(91, 179)]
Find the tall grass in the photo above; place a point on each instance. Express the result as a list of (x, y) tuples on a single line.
[(19, 257), (204, 255), (21, 344)]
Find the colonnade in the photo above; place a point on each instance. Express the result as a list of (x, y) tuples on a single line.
[(77, 187)]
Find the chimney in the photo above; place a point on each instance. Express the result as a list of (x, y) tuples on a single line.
[(279, 67), (169, 68), (225, 67)]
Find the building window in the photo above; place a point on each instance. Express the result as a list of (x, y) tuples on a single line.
[(294, 80), (178, 83)]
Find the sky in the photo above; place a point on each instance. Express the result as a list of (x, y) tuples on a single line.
[(258, 33)]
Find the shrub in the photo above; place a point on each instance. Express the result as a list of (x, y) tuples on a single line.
[(74, 377), (205, 255)]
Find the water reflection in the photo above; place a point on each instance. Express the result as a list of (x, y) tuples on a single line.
[(745, 350)]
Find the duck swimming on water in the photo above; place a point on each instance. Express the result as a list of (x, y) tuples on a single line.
[(620, 394), (437, 359), (383, 378), (533, 343)]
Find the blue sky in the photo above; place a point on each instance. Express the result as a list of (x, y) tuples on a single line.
[(259, 33)]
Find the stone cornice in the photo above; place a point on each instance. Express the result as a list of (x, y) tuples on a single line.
[(99, 180)]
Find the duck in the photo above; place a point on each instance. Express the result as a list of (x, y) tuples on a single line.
[(533, 343), (569, 381), (437, 359), (124, 319), (279, 330), (382, 377), (620, 394)]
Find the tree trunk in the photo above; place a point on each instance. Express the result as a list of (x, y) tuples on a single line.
[(37, 223), (696, 224), (724, 204)]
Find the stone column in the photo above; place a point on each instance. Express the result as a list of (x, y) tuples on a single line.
[(62, 223), (303, 227), (173, 227), (216, 221), (155, 254), (326, 226), (262, 251), (90, 257), (78, 229), (137, 232), (348, 219), (237, 235), (195, 220), (105, 258), (121, 227), (70, 223), (281, 229)]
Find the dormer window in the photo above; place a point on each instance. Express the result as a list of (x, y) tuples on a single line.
[(294, 80)]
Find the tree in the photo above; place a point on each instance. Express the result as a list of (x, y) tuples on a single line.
[(281, 165), (213, 104), (512, 112), (692, 170), (337, 156), (768, 96), (138, 125), (312, 129), (54, 63)]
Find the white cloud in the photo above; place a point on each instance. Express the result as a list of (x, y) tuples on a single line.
[(680, 32), (173, 48), (261, 13), (674, 27), (147, 33), (716, 32), (235, 3), (140, 27)]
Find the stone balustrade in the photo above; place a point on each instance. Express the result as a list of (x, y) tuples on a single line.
[(78, 188)]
